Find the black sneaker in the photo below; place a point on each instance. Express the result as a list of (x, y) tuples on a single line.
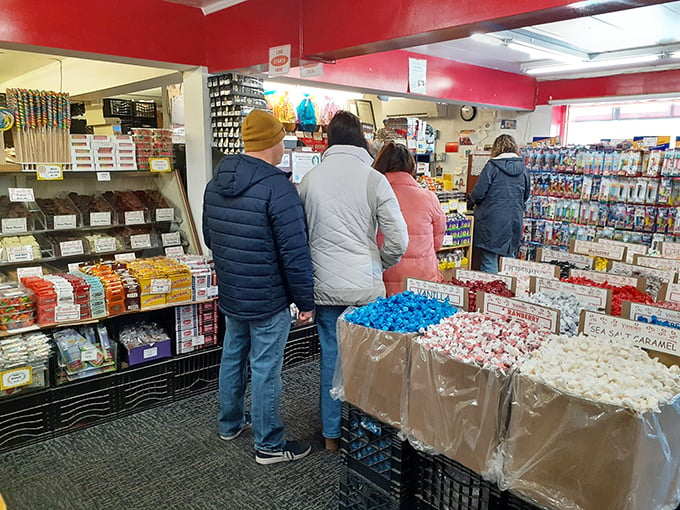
[(234, 435), (294, 450)]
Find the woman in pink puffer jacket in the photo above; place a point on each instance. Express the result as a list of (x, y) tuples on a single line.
[(424, 217)]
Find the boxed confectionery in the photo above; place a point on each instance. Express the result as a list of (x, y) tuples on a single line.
[(454, 407), (572, 453), (373, 369), (594, 425), (142, 342)]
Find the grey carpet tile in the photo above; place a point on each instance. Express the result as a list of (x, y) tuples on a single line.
[(171, 457)]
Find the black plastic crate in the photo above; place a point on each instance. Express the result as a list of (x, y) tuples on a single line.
[(358, 493), (302, 346), (84, 403), (145, 387), (118, 108), (374, 450), (197, 372), (144, 109), (25, 419), (442, 483)]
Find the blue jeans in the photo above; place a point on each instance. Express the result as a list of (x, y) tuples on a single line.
[(263, 341), (331, 410), (489, 261)]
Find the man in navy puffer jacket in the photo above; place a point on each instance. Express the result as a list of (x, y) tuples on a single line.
[(254, 224)]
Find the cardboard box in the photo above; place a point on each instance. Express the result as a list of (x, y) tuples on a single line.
[(570, 453), (455, 407), (374, 369)]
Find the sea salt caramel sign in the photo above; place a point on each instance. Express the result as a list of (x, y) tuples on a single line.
[(595, 296), (456, 295), (598, 250), (647, 336), (541, 316)]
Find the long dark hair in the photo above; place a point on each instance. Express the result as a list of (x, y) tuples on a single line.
[(345, 129), (394, 157), (502, 144)]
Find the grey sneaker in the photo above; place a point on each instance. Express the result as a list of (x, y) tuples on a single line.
[(234, 435), (294, 450)]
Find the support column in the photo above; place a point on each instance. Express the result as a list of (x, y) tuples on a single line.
[(198, 142)]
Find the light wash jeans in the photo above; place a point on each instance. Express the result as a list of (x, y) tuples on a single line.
[(489, 261), (331, 410), (263, 341)]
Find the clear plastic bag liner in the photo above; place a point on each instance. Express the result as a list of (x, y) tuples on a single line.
[(569, 453), (456, 409), (371, 369)]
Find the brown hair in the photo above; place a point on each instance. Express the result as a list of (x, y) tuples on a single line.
[(395, 157), (502, 144)]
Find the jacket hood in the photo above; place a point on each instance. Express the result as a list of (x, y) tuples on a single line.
[(510, 166), (235, 174), (349, 150)]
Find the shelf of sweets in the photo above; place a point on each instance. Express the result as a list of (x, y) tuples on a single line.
[(603, 161), (38, 327)]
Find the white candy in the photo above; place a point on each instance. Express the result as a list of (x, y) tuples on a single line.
[(595, 368)]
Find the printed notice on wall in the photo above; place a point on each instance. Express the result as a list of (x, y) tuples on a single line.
[(417, 76)]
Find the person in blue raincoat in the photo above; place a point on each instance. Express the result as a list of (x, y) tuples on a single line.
[(499, 197)]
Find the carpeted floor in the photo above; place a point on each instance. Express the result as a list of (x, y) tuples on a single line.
[(171, 458)]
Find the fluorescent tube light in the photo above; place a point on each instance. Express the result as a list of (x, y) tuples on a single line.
[(486, 39), (537, 52), (592, 64)]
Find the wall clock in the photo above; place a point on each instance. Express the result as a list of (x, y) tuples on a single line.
[(468, 112)]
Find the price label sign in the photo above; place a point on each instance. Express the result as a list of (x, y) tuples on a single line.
[(49, 173), (103, 176), (14, 226), (160, 286), (66, 313), (89, 355), (171, 239), (150, 352), (165, 214), (104, 244), (198, 340), (125, 256), (73, 267), (456, 295), (517, 266), (68, 248), (16, 377), (448, 240), (541, 316), (172, 251), (140, 241), (134, 217), (100, 219), (25, 272), (66, 221), (20, 253), (21, 195), (160, 165)]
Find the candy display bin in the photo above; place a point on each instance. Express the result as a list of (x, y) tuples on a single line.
[(358, 493), (145, 353), (94, 353)]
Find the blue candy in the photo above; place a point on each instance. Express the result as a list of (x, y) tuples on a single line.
[(406, 312)]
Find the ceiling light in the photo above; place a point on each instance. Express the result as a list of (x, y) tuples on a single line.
[(592, 64), (486, 39), (537, 52)]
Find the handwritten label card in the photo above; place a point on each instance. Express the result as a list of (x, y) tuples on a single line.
[(647, 336), (541, 316), (456, 295), (597, 250), (548, 255)]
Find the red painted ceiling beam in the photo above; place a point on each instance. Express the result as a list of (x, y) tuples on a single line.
[(149, 29), (387, 73), (239, 37), (631, 84)]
